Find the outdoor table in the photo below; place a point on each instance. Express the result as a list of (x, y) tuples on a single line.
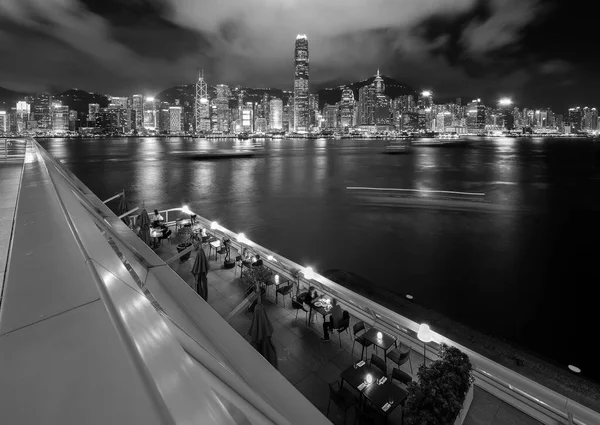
[(216, 244), (155, 233), (357, 377), (323, 309), (276, 279), (385, 397), (384, 343), (377, 394)]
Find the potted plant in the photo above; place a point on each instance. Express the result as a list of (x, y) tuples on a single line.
[(444, 391), (184, 235)]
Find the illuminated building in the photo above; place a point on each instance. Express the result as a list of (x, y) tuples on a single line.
[(41, 111), (3, 122), (93, 109), (150, 122), (425, 99), (260, 125), (137, 105), (313, 108), (346, 108), (443, 121), (22, 114), (575, 117), (330, 113), (247, 117), (367, 100), (301, 99), (594, 119), (475, 118), (505, 109), (202, 105), (60, 117), (175, 119), (121, 102), (276, 114), (222, 112)]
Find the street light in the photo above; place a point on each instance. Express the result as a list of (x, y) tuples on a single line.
[(424, 335)]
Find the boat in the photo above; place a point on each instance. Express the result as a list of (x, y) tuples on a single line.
[(397, 147), (243, 136), (440, 141), (277, 136), (223, 153), (337, 136)]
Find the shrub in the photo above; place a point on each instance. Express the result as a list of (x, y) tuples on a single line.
[(437, 398), (184, 235)]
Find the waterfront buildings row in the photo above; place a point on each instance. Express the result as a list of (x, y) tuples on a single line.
[(227, 110)]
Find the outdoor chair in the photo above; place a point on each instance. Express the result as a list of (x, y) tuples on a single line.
[(284, 290), (166, 235), (360, 326), (379, 363), (401, 356), (401, 376), (342, 397), (343, 326), (298, 305)]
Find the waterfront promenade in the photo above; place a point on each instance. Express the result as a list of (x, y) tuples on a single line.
[(307, 362)]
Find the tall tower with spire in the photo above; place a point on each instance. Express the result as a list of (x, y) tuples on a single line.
[(201, 105), (379, 84), (301, 101)]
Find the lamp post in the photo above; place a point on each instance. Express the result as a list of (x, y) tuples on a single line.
[(424, 335)]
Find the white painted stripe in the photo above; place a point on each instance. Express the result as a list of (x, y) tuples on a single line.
[(415, 190)]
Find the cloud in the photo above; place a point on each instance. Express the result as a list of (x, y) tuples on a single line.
[(87, 43), (555, 66)]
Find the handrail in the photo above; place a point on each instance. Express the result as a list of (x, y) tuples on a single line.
[(554, 407)]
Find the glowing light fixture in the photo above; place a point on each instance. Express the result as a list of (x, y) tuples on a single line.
[(150, 99), (505, 101), (369, 379), (241, 238), (379, 335), (426, 93), (574, 369), (186, 210), (271, 258), (309, 273), (424, 335), (214, 225)]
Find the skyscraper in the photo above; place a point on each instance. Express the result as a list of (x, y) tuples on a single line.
[(301, 107), (60, 117), (222, 108), (276, 114), (202, 105), (175, 119), (41, 110), (137, 105), (347, 108)]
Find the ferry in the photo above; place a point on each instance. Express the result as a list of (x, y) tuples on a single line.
[(397, 147), (243, 136)]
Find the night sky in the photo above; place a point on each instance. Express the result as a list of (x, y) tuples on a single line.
[(541, 53)]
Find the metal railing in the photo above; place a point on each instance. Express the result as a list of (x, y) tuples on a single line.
[(12, 149), (535, 399)]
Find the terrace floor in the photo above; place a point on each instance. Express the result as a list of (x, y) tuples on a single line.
[(307, 362)]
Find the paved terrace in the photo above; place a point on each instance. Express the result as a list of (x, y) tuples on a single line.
[(307, 362)]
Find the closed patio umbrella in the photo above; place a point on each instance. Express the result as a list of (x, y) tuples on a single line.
[(200, 270), (145, 227), (260, 332)]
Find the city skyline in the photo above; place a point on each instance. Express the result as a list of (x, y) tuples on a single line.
[(467, 48)]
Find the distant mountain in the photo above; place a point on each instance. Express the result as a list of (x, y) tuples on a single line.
[(79, 100), (9, 98), (393, 89)]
